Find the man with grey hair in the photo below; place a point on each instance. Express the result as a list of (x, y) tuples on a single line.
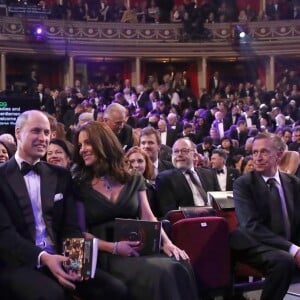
[(173, 122), (184, 185), (85, 117), (115, 117), (268, 209)]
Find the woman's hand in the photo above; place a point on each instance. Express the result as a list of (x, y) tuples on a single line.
[(127, 248), (171, 250)]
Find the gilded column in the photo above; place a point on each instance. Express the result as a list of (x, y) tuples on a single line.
[(136, 72), (202, 73), (270, 73), (3, 72), (69, 71)]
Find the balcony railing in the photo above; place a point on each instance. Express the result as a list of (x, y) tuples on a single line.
[(266, 38), (99, 32)]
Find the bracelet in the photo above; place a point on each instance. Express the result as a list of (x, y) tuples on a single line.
[(115, 249)]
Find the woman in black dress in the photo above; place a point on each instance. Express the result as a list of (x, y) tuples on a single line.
[(108, 191)]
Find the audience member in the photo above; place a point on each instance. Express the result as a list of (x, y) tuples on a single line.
[(230, 149), (150, 142), (295, 144), (31, 240), (247, 164), (290, 162), (225, 175), (206, 147), (184, 185), (107, 191), (267, 207), (140, 163), (7, 150), (7, 137), (239, 132), (58, 153), (167, 134), (115, 117)]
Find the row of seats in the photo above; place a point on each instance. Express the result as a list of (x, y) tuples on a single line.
[(204, 234)]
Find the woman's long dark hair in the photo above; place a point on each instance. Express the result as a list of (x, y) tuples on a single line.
[(108, 150)]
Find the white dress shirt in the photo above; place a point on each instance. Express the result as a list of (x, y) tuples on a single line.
[(198, 200), (33, 185)]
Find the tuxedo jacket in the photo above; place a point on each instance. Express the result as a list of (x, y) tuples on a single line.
[(171, 137), (241, 137), (125, 137), (142, 99), (232, 175), (251, 198), (173, 189), (17, 223)]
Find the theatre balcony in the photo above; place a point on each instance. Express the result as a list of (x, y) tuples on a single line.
[(61, 50), (222, 40)]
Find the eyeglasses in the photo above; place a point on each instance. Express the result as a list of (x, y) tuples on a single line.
[(183, 151)]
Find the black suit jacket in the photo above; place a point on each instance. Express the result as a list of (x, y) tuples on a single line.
[(171, 137), (241, 137), (164, 165), (173, 189), (232, 175), (17, 223), (126, 137), (251, 204)]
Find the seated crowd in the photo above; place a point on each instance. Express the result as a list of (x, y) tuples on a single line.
[(151, 11), (137, 152)]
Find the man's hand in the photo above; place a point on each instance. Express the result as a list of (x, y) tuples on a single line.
[(54, 264)]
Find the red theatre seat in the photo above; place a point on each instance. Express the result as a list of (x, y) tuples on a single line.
[(246, 278), (206, 240)]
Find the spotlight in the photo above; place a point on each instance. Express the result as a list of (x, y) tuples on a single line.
[(39, 33), (240, 35)]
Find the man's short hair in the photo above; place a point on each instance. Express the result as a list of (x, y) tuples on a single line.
[(208, 140), (241, 121), (86, 117), (297, 128), (222, 153), (112, 108), (277, 141), (149, 130)]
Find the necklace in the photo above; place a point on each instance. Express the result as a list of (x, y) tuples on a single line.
[(106, 183)]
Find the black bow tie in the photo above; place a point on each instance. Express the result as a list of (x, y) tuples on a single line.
[(26, 168), (220, 171)]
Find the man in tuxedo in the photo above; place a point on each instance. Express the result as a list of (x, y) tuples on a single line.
[(174, 123), (115, 117), (184, 185), (214, 83), (239, 132), (226, 175), (36, 212), (206, 147), (295, 145), (220, 124), (188, 132), (167, 135), (142, 96), (151, 143), (268, 209), (250, 117)]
